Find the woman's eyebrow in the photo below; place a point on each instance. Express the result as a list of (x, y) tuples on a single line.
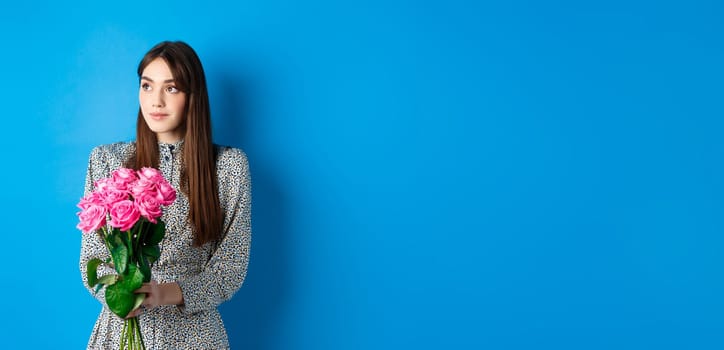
[(151, 80)]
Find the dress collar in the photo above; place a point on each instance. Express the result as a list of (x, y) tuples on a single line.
[(171, 147)]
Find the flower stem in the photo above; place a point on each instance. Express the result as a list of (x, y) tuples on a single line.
[(131, 336), (140, 336), (130, 242), (124, 331)]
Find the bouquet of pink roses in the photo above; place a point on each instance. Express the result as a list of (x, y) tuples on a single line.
[(125, 210)]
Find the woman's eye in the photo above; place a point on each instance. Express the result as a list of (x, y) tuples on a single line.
[(145, 87), (172, 89)]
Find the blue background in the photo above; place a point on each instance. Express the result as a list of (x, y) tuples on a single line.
[(426, 174)]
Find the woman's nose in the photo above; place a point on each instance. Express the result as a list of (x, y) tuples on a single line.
[(157, 100)]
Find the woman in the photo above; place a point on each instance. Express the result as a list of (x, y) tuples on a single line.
[(205, 252)]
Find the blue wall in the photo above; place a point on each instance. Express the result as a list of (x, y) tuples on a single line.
[(427, 175)]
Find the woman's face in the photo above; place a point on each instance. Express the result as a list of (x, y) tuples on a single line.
[(163, 105)]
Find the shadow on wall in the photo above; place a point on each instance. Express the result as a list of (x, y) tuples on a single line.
[(251, 315)]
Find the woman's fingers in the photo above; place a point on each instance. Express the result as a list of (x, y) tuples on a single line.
[(135, 313), (152, 292), (145, 288)]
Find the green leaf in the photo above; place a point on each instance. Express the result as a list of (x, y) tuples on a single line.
[(92, 271), (119, 252), (120, 297), (152, 252), (158, 230), (108, 280), (115, 238), (143, 265), (139, 300)]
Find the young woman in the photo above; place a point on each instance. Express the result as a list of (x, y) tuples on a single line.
[(205, 252)]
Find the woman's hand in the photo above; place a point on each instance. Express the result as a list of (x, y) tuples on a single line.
[(157, 295)]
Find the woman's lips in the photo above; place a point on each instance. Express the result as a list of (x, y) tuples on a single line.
[(158, 116)]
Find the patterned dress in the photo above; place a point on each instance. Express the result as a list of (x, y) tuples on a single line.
[(208, 275)]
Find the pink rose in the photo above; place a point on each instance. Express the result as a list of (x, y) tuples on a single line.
[(111, 195), (166, 193), (124, 215), (144, 187), (102, 184), (123, 178), (150, 174), (92, 218), (149, 207), (93, 198)]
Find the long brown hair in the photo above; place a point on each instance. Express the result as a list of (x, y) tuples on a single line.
[(198, 170)]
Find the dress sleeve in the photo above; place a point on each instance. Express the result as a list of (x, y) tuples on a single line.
[(224, 273), (92, 245)]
